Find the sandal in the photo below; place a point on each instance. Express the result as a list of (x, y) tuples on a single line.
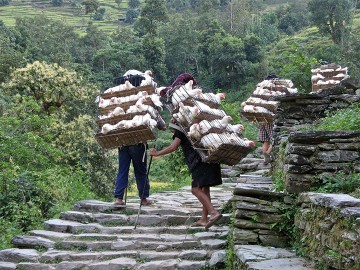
[(212, 220)]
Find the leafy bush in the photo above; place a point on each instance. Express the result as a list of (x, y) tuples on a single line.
[(341, 183), (344, 119)]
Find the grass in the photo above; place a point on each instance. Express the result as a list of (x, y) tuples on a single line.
[(67, 14)]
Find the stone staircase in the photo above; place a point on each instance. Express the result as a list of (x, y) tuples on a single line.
[(98, 235)]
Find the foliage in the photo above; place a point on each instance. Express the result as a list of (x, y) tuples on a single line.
[(181, 46), (293, 17), (340, 182), (51, 85), (131, 15), (99, 14), (57, 3), (344, 119), (134, 4), (43, 39), (278, 171), (13, 56), (154, 53), (35, 183), (333, 18), (152, 14), (76, 140), (91, 6), (298, 68)]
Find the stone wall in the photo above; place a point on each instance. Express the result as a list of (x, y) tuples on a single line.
[(299, 110), (310, 154), (258, 211), (329, 226)]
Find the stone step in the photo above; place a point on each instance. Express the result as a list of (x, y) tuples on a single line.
[(106, 219), (65, 226), (254, 257), (116, 264), (121, 242)]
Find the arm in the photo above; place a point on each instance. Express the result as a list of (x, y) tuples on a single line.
[(171, 148)]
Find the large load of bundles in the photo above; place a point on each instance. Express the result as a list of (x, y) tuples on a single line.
[(206, 125), (128, 112), (327, 76), (259, 107)]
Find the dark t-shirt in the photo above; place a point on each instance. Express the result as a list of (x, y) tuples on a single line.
[(192, 158)]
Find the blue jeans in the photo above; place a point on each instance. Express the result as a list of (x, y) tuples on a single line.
[(138, 155)]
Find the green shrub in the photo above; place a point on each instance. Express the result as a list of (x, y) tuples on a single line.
[(344, 119), (340, 183)]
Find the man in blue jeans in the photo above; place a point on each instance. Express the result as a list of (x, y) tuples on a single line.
[(138, 155)]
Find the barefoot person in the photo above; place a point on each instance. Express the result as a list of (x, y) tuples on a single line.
[(204, 175)]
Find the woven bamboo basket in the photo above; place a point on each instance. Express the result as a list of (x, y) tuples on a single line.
[(124, 105), (228, 154), (117, 119), (258, 117), (270, 107), (123, 137), (148, 88)]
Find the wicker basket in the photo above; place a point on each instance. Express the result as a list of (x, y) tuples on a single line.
[(125, 106), (228, 154), (117, 119), (122, 137), (258, 117), (148, 88), (270, 107)]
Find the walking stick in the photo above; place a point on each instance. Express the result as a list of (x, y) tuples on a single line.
[(126, 189), (146, 180)]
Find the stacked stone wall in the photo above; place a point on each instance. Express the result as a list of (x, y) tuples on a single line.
[(311, 154), (329, 227)]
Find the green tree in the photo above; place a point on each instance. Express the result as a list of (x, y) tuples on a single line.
[(94, 40), (131, 15), (181, 45), (11, 55), (332, 17), (47, 40), (134, 4), (118, 2), (91, 6), (52, 86), (4, 2), (99, 14), (298, 67), (292, 17), (152, 14), (57, 3), (226, 55), (154, 53)]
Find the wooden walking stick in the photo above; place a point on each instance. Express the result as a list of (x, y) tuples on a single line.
[(147, 179)]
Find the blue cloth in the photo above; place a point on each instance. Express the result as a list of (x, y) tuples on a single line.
[(138, 155)]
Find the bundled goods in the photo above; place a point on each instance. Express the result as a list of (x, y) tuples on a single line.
[(128, 114), (327, 76), (258, 107), (206, 125)]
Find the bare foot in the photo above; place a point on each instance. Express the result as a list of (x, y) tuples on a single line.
[(199, 223), (119, 202)]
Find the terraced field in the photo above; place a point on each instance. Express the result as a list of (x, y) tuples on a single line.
[(71, 15)]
